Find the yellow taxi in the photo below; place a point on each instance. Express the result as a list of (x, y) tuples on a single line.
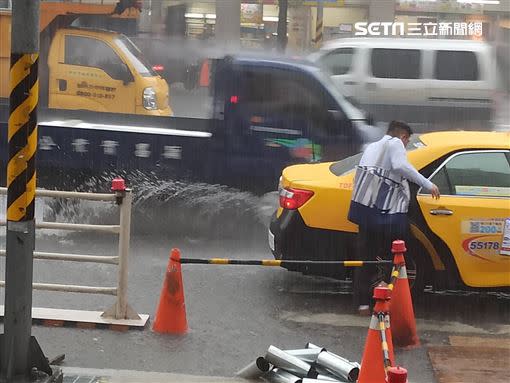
[(460, 240)]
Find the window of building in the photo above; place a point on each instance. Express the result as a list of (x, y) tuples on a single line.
[(396, 63), (91, 52), (475, 174), (456, 65), (339, 61)]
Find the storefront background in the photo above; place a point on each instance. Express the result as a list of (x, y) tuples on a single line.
[(259, 19)]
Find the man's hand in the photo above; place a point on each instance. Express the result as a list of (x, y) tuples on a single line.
[(435, 192)]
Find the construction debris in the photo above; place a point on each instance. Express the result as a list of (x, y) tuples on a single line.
[(312, 364)]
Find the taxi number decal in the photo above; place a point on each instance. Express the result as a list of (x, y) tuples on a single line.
[(478, 245), (482, 246)]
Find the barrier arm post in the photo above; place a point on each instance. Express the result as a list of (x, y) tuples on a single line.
[(124, 198), (22, 360)]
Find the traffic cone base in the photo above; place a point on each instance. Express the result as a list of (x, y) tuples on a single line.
[(171, 313)]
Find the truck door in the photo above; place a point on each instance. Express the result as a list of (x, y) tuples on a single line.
[(86, 73), (277, 117)]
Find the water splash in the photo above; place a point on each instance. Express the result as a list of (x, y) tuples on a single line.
[(171, 207)]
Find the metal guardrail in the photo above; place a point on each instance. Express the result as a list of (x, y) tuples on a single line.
[(123, 198)]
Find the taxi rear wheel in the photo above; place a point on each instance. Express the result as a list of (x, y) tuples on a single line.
[(417, 267)]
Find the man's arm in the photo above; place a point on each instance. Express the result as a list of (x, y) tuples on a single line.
[(402, 167)]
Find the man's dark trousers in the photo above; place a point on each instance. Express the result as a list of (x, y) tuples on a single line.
[(374, 242)]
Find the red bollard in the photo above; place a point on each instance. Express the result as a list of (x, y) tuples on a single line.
[(397, 375)]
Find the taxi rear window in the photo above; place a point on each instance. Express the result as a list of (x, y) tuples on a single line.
[(348, 164)]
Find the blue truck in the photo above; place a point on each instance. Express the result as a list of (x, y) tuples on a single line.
[(268, 113)]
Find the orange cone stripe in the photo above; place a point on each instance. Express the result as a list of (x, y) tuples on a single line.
[(403, 273)]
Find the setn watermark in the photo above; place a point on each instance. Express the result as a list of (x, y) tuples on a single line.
[(418, 29)]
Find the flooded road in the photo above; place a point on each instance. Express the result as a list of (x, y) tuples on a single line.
[(234, 312)]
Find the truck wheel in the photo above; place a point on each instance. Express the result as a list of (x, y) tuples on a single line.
[(190, 79)]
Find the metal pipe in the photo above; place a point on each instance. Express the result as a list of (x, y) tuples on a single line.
[(278, 375), (338, 366), (293, 364), (125, 230), (112, 260), (309, 355), (311, 345), (255, 369), (78, 227), (75, 226), (72, 288), (325, 374), (68, 194)]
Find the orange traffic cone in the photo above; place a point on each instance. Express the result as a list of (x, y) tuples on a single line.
[(378, 353), (204, 73), (171, 315), (403, 323)]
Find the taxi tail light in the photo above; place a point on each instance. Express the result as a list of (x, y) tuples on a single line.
[(292, 199), (158, 68)]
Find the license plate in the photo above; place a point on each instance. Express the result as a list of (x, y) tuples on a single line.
[(270, 240)]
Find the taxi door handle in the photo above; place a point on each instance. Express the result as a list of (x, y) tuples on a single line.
[(441, 212)]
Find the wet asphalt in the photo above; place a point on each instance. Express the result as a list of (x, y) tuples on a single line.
[(234, 312)]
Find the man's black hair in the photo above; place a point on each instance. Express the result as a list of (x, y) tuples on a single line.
[(396, 127)]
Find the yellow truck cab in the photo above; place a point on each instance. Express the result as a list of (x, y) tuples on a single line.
[(103, 71), (87, 69)]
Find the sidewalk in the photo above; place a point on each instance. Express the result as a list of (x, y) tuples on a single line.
[(88, 375)]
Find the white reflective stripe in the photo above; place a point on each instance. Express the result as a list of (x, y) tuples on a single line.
[(374, 323), (387, 321), (126, 128), (403, 273)]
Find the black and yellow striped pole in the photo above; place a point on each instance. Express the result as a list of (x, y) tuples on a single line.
[(20, 352), (319, 23), (276, 262)]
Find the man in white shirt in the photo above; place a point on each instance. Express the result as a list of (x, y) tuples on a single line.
[(381, 214)]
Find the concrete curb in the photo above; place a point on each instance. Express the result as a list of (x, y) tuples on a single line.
[(129, 376)]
